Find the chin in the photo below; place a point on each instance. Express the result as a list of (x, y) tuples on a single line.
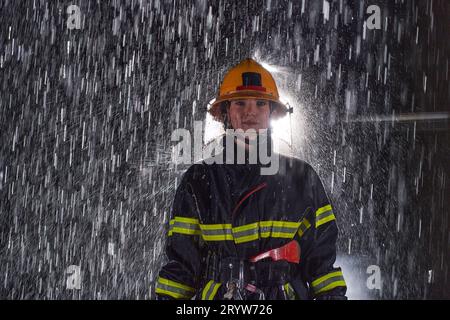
[(256, 128)]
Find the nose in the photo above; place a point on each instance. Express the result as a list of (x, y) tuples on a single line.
[(251, 108)]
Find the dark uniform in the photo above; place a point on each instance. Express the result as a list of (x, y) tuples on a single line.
[(226, 213)]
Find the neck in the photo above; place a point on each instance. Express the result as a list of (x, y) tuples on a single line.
[(251, 149)]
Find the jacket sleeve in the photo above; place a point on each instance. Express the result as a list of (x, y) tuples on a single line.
[(179, 277), (318, 234)]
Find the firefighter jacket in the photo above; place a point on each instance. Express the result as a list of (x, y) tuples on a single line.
[(231, 210)]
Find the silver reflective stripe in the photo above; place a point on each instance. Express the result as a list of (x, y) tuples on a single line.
[(210, 291), (324, 214), (216, 232), (284, 229), (275, 229), (245, 233), (184, 225)]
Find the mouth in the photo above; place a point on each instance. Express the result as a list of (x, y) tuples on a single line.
[(250, 123)]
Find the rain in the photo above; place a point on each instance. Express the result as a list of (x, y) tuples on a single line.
[(91, 91)]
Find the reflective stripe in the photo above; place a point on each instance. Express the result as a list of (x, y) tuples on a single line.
[(290, 293), (278, 232), (280, 224), (249, 232), (246, 236), (215, 227), (210, 290), (324, 215), (246, 232), (173, 289), (304, 225), (323, 209), (186, 220), (265, 229), (184, 225), (216, 232), (240, 234), (328, 282)]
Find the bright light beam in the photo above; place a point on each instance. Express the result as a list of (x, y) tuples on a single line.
[(420, 116)]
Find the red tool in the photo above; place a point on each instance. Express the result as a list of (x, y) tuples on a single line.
[(289, 252)]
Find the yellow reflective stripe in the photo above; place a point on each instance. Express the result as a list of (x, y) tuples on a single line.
[(214, 292), (324, 215), (328, 282), (247, 238), (206, 289), (283, 234), (268, 223), (215, 226), (257, 226), (246, 227), (289, 291), (340, 283), (216, 232), (280, 224), (276, 234), (184, 231), (240, 234), (185, 220), (219, 237), (304, 225), (170, 293), (175, 284), (325, 277), (323, 209), (325, 220), (173, 294), (210, 290), (184, 225), (173, 289), (287, 224)]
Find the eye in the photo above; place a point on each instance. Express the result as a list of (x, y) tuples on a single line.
[(261, 103), (240, 103)]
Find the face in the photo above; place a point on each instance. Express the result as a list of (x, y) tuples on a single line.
[(249, 114)]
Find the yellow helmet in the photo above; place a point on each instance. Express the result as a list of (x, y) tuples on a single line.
[(248, 79)]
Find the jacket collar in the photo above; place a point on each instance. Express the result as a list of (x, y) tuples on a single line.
[(239, 149)]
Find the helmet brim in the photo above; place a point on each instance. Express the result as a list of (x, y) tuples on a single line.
[(279, 111)]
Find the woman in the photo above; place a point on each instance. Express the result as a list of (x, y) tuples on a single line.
[(235, 233)]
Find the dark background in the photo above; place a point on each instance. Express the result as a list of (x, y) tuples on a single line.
[(86, 117)]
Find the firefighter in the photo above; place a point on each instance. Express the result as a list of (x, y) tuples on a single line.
[(225, 216)]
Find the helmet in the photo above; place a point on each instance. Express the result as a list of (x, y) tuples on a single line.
[(248, 79)]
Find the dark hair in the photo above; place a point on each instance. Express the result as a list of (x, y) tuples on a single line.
[(223, 110)]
